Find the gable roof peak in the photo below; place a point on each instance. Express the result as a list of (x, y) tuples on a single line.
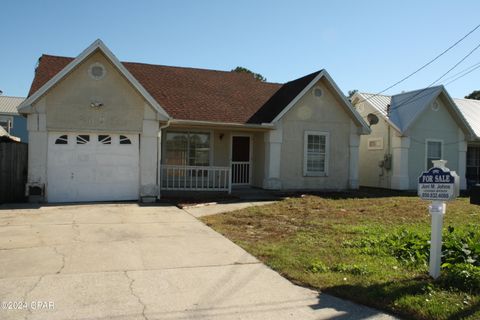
[(26, 106)]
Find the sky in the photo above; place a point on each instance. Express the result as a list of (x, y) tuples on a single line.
[(364, 45)]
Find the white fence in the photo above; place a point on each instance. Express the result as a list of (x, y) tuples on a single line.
[(195, 178)]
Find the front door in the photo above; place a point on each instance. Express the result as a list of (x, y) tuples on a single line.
[(241, 166)]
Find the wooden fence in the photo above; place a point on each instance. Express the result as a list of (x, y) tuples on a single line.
[(13, 171)]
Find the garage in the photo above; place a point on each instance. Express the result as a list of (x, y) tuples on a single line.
[(92, 167)]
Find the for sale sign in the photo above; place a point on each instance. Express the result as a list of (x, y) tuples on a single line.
[(438, 184)]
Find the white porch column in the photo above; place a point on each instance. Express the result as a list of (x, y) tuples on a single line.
[(148, 157), (273, 150), (37, 152), (400, 146), (353, 160), (462, 160)]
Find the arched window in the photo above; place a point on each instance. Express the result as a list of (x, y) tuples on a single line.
[(63, 139), (104, 139), (83, 139), (125, 140)]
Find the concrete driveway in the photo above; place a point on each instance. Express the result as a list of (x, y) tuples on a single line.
[(124, 261)]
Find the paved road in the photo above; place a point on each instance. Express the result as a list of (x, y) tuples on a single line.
[(124, 261)]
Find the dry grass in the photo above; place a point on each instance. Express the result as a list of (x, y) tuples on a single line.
[(306, 233)]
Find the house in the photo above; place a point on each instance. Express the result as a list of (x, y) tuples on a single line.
[(409, 131), (471, 112), (6, 137), (101, 129), (10, 120)]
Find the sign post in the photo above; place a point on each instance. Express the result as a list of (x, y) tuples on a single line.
[(438, 184)]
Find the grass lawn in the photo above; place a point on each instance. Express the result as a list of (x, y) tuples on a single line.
[(368, 247)]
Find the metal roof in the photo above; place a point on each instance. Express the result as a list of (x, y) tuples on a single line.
[(8, 105), (377, 101), (405, 107), (471, 112)]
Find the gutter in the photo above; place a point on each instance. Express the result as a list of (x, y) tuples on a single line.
[(263, 126)]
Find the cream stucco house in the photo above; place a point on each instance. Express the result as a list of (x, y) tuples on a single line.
[(471, 112), (101, 129), (408, 131)]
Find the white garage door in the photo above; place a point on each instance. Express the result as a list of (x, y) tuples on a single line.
[(92, 167)]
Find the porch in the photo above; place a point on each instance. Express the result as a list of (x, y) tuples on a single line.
[(216, 160)]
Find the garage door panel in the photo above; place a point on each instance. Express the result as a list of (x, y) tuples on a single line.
[(97, 169), (119, 160)]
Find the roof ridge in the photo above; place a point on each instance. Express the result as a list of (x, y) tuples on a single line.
[(18, 97), (421, 89), (466, 99), (167, 66), (375, 94)]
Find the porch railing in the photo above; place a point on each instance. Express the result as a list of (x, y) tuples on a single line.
[(241, 172), (195, 178)]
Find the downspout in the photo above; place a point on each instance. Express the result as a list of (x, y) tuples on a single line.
[(159, 155)]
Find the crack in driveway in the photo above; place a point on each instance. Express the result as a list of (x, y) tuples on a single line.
[(130, 286), (29, 291), (63, 260)]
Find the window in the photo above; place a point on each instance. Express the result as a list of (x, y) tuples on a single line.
[(83, 139), (434, 152), (473, 165), (104, 139), (316, 145), (187, 148), (6, 123), (125, 140), (317, 92), (63, 139), (375, 143)]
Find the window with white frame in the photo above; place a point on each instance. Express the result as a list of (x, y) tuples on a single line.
[(6, 122), (434, 152), (315, 153), (187, 148)]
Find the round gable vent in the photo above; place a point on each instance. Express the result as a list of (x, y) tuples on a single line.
[(435, 106), (97, 71)]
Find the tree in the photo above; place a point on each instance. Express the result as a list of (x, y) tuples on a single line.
[(474, 95), (351, 93), (257, 76)]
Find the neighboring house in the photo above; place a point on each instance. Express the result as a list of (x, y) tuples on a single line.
[(6, 137), (101, 129), (471, 112), (13, 123), (414, 128)]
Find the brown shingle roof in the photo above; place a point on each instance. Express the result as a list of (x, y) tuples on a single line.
[(198, 94)]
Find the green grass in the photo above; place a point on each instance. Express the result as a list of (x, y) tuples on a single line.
[(338, 243)]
